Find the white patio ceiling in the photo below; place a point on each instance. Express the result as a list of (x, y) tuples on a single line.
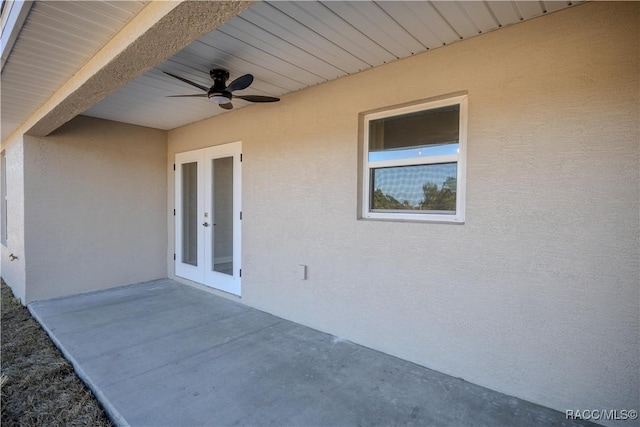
[(56, 39), (286, 45)]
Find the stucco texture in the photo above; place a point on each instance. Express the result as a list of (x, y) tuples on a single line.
[(13, 271), (537, 294), (95, 200)]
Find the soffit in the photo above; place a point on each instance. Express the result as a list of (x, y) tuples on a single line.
[(286, 45), (292, 45), (56, 40)]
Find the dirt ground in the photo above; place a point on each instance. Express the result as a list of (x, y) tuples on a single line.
[(38, 385)]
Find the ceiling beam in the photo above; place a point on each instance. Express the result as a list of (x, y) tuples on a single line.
[(160, 30)]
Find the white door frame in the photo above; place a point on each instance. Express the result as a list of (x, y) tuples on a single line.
[(204, 272)]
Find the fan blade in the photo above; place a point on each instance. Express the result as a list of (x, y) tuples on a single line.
[(227, 106), (257, 98), (204, 88), (199, 95), (240, 83)]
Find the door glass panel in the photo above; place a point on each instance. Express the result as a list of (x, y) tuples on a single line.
[(222, 242), (190, 213)]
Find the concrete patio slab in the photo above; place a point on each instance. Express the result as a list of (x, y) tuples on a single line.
[(164, 354)]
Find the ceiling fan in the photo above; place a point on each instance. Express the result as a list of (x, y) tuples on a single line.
[(220, 93)]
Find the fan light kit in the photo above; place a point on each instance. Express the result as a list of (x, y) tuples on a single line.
[(220, 93), (219, 99)]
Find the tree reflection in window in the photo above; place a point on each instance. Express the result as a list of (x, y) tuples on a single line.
[(435, 198)]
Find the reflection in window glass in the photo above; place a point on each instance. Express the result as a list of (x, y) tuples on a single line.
[(430, 187), (415, 153)]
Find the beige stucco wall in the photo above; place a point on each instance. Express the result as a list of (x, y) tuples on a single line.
[(537, 295), (13, 272), (95, 205)]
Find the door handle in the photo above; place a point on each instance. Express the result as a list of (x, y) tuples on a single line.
[(205, 224)]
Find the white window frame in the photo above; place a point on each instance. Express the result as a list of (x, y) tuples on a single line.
[(460, 159)]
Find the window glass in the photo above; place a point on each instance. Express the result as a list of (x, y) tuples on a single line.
[(190, 213), (421, 129), (415, 188), (222, 188)]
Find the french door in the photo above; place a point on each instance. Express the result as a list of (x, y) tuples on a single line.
[(208, 216)]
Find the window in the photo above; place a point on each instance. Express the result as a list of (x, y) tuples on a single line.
[(414, 164), (3, 197)]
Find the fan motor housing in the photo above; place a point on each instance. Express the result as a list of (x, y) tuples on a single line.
[(219, 74)]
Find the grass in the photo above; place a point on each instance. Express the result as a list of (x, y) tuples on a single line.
[(38, 385)]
